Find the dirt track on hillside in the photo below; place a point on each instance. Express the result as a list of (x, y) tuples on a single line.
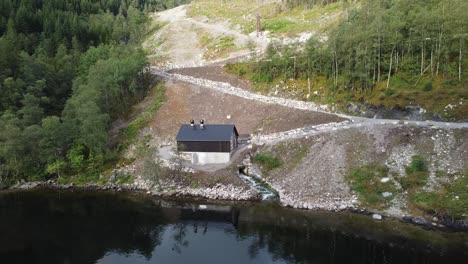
[(215, 73), (185, 101)]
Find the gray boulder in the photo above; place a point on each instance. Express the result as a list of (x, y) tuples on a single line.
[(419, 220)]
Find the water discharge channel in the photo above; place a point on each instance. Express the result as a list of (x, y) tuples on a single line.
[(258, 184)]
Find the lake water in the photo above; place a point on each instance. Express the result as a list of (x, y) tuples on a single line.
[(87, 227)]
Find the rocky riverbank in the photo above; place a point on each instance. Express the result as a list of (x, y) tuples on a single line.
[(290, 199), (232, 193), (315, 170), (217, 192)]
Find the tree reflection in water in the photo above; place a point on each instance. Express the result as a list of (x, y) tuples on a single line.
[(51, 227), (179, 237), (75, 227)]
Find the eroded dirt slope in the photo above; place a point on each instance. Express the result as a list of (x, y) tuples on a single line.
[(185, 101)]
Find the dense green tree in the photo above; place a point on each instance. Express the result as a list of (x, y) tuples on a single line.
[(67, 68), (377, 40)]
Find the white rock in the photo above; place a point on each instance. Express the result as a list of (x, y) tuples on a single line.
[(376, 217), (228, 117), (387, 194)]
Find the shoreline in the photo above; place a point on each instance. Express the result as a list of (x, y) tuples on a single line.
[(444, 225)]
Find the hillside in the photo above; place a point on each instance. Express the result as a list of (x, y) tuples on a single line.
[(318, 165), (397, 170), (209, 30), (381, 55), (289, 91)]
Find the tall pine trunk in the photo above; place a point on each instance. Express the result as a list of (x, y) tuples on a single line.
[(336, 70), (432, 67), (438, 52), (460, 60), (378, 63), (422, 59), (390, 68)]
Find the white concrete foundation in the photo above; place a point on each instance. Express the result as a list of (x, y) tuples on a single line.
[(209, 157)]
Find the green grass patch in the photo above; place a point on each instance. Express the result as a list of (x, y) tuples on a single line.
[(125, 179), (275, 17), (278, 25), (217, 48), (267, 161), (239, 69), (425, 200), (450, 200), (205, 39), (82, 179), (366, 181), (455, 198), (414, 180), (225, 43), (154, 26)]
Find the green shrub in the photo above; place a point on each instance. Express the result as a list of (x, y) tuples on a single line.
[(262, 77), (427, 87), (416, 174), (267, 161), (389, 92), (417, 165), (239, 69)]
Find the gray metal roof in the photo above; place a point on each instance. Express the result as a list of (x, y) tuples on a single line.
[(208, 133)]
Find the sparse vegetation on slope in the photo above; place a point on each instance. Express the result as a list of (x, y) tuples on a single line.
[(447, 199), (398, 170), (129, 133), (267, 161), (367, 182), (276, 17)]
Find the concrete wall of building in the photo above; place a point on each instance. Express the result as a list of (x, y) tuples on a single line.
[(209, 157)]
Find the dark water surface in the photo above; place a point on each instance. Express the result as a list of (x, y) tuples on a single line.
[(80, 227)]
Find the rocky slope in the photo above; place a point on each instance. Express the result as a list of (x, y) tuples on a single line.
[(314, 169)]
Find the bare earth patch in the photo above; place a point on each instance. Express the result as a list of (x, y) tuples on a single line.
[(217, 74), (186, 101)]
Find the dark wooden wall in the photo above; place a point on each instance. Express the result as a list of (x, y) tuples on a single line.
[(204, 146)]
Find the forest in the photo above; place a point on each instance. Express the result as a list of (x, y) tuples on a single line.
[(68, 68), (389, 52)]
